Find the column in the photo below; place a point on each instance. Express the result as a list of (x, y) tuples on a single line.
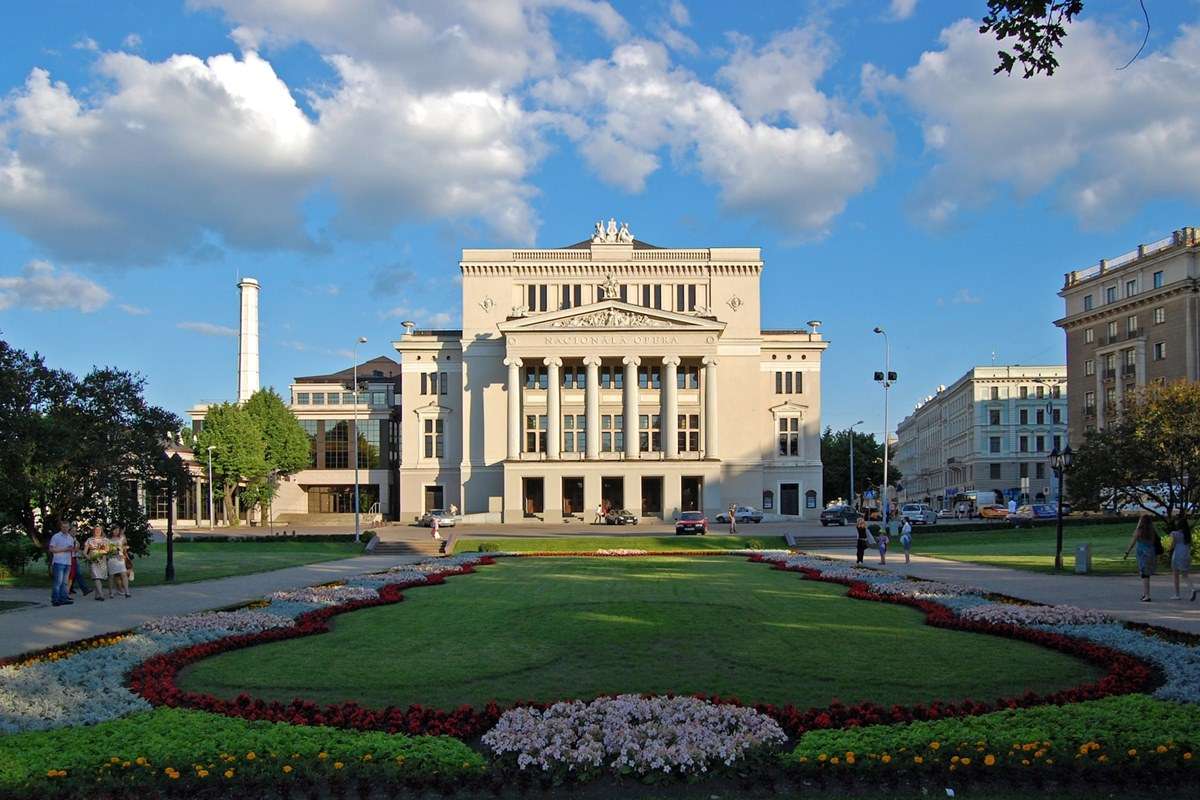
[(553, 407), (514, 407), (670, 407), (199, 495), (710, 407), (592, 406), (630, 407)]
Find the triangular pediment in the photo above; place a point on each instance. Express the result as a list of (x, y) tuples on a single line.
[(789, 407), (613, 315)]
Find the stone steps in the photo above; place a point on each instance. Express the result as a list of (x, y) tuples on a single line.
[(406, 548)]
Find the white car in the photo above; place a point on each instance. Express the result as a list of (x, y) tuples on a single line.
[(919, 514), (445, 518)]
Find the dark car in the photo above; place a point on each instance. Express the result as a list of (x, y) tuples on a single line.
[(839, 515), (691, 522), (621, 516)]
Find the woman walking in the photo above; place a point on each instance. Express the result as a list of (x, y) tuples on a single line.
[(1181, 556), (882, 540), (118, 552), (860, 543), (906, 539), (95, 550), (1144, 539)]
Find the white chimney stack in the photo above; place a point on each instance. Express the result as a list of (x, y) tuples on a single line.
[(248, 340)]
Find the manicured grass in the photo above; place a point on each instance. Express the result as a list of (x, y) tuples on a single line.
[(1033, 549), (201, 561), (548, 629), (584, 543)]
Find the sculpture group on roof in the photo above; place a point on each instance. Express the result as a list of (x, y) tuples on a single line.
[(611, 234)]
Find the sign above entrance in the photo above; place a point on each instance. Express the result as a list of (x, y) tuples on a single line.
[(611, 339)]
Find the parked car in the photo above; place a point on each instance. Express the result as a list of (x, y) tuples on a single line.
[(946, 513), (1027, 514), (839, 515), (993, 512), (742, 514), (621, 516), (918, 514), (445, 518), (691, 522)]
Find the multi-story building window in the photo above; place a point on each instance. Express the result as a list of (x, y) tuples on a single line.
[(994, 471), (994, 444), (1056, 391), (1131, 325), (995, 392), (789, 382), (1089, 336), (310, 428), (318, 398), (368, 444), (535, 433), (572, 295), (789, 436), (1023, 469), (1160, 351), (612, 433), (1089, 401), (1110, 398), (333, 399), (649, 377), (994, 416), (1089, 367), (1040, 443), (612, 377), (1056, 415), (1130, 288), (1110, 365), (685, 297), (1023, 444), (1023, 416), (1040, 392), (431, 383), (536, 377), (337, 444), (537, 297), (688, 377), (1158, 279), (649, 433), (1057, 442), (574, 377), (1087, 302), (1160, 315), (1040, 416), (1039, 469), (302, 398), (574, 433), (1110, 294), (689, 433), (1112, 330), (433, 433), (1023, 392)]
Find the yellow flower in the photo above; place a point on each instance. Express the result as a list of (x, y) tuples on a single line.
[(1132, 752), (1049, 761), (295, 755), (322, 755), (1187, 756), (886, 759), (935, 745), (228, 773), (966, 762), (849, 758), (367, 757), (834, 760), (250, 756), (954, 759), (1025, 762), (203, 773), (338, 765), (1103, 759), (51, 773), (1160, 749), (990, 760), (124, 765), (114, 760), (287, 768), (822, 757)]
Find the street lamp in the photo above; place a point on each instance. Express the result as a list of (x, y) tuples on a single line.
[(852, 503), (887, 378), (1061, 463), (211, 513), (172, 467), (357, 527)]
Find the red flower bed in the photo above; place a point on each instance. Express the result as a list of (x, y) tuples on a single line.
[(154, 679)]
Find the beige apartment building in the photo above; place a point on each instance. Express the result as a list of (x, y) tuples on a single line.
[(610, 372), (985, 438), (1131, 320)]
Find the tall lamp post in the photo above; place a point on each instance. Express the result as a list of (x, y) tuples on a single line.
[(357, 526), (852, 495), (887, 378), (1061, 463), (172, 469), (211, 513)]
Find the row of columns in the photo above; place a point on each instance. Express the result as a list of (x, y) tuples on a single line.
[(630, 406)]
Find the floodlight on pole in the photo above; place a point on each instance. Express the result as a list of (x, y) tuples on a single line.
[(887, 377)]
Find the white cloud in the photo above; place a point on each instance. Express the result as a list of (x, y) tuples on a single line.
[(679, 14), (134, 311), (41, 287), (207, 328), (1104, 140), (776, 146), (901, 9), (86, 43), (132, 41), (964, 297)]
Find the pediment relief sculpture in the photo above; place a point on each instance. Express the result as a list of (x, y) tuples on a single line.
[(610, 318)]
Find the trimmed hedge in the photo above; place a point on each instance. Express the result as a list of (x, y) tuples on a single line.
[(184, 753)]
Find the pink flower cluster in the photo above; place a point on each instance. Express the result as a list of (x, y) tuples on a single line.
[(1010, 614), (326, 595), (631, 733), (243, 621)]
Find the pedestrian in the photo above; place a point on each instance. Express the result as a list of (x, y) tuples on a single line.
[(860, 543), (118, 556), (1012, 506), (453, 510), (79, 575), (881, 542), (436, 534), (732, 520), (1144, 540), (599, 514), (906, 540), (1181, 556), (62, 551), (95, 550)]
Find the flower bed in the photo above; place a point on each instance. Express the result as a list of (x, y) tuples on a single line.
[(325, 595), (630, 734), (1008, 614), (222, 622)]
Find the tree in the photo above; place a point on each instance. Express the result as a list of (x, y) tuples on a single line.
[(1038, 28), (286, 448), (868, 463), (1148, 455), (239, 451)]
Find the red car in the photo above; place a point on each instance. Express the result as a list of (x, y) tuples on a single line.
[(691, 522)]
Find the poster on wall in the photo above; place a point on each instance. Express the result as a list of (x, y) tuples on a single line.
[(768, 500)]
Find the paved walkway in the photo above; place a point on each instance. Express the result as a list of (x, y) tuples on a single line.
[(22, 630), (1117, 596)]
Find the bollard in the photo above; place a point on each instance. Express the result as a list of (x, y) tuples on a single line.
[(1083, 559)]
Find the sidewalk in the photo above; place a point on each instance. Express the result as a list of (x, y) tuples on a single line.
[(22, 630), (1115, 596)]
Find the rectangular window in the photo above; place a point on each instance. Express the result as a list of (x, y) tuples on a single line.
[(787, 382), (1040, 443), (688, 377), (1110, 294), (1057, 442), (1130, 288), (1131, 325), (1160, 316), (1056, 416), (778, 383), (994, 471), (434, 436), (1110, 364), (1056, 391), (646, 295), (310, 428), (535, 433), (571, 295), (1130, 357), (1022, 444), (1040, 416), (318, 398), (574, 433), (1160, 351), (689, 433), (442, 384), (1040, 470), (1023, 392), (337, 444), (1022, 417), (649, 377), (789, 436), (612, 433), (1087, 302), (1112, 331), (368, 444), (1089, 400), (537, 378), (302, 398), (1040, 392), (993, 416), (348, 398), (649, 433), (995, 393), (1089, 336), (1023, 468), (1158, 279), (994, 444), (612, 377), (424, 383), (1089, 367), (333, 399)]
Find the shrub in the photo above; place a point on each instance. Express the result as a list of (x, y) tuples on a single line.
[(17, 551), (755, 544), (489, 547), (185, 752)]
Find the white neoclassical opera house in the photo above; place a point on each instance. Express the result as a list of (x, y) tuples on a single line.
[(610, 371)]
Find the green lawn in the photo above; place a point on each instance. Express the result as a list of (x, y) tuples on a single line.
[(1033, 549), (201, 561), (547, 629), (583, 543)]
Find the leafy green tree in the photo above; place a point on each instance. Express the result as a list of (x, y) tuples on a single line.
[(868, 463), (285, 442), (239, 453), (1147, 455)]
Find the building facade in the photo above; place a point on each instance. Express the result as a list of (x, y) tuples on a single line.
[(610, 372), (987, 436), (1128, 321)]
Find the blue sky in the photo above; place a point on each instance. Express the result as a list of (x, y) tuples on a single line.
[(150, 152)]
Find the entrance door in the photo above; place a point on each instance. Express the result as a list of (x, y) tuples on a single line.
[(434, 497), (534, 490), (691, 493), (652, 492), (572, 495), (789, 499), (612, 492)]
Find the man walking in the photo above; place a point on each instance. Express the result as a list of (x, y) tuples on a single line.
[(62, 551), (733, 520)]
